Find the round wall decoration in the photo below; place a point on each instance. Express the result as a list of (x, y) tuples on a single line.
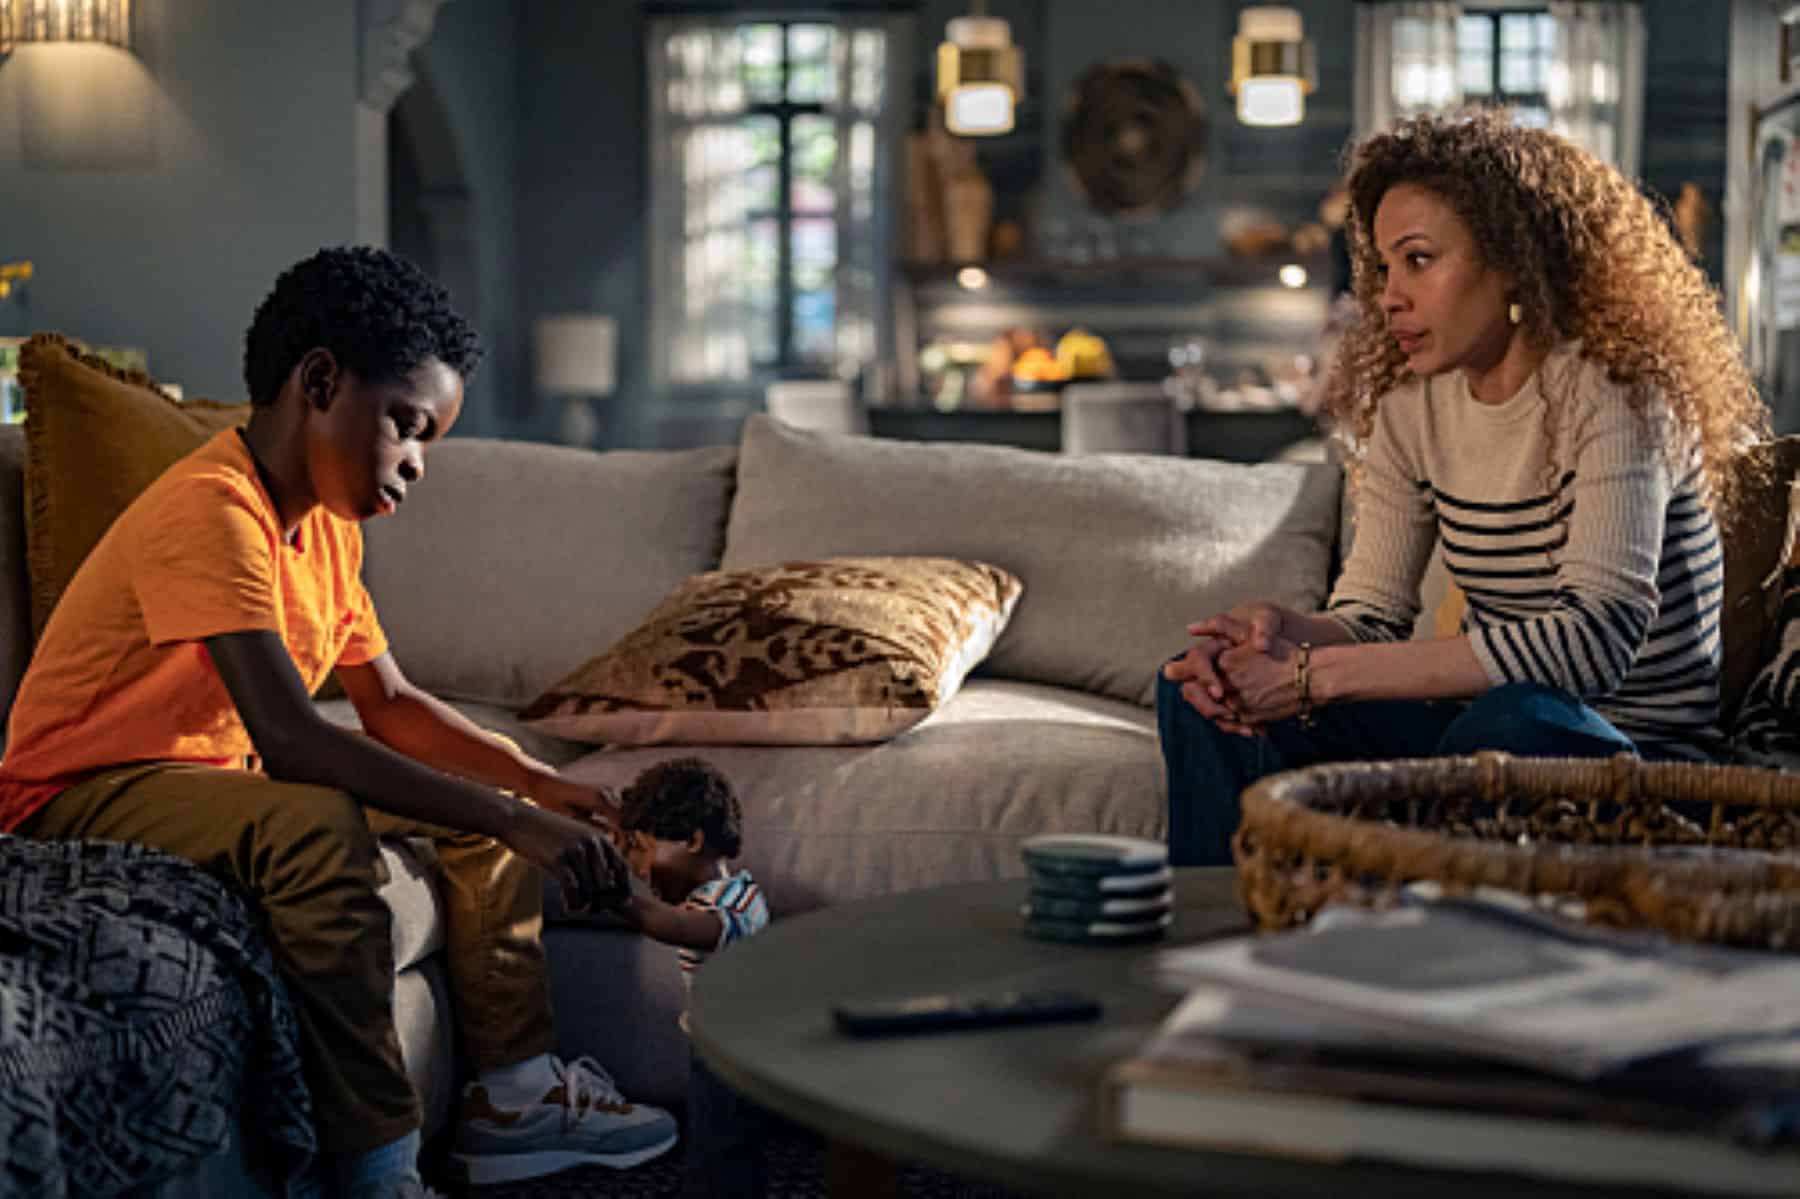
[(1133, 137)]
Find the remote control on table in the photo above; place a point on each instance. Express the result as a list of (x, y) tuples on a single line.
[(940, 1013)]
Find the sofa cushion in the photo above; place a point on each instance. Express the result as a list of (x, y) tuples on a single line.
[(1118, 553), (805, 653), (511, 562), (948, 801), (411, 895), (97, 436)]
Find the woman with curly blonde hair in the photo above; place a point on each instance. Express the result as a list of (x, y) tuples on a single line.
[(1541, 384)]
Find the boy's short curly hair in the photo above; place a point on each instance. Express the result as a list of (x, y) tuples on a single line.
[(378, 314), (672, 799)]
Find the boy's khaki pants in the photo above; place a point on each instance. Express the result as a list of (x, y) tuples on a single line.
[(307, 857)]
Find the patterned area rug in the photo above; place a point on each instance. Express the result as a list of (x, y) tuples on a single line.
[(796, 1171)]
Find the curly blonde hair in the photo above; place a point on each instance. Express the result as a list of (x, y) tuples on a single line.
[(1592, 259)]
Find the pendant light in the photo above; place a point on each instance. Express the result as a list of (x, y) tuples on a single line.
[(980, 74), (1272, 66)]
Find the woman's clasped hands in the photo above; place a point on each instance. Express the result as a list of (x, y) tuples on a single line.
[(1240, 673)]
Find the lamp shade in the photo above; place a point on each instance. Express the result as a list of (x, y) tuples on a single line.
[(106, 21), (1272, 66), (575, 353), (980, 76)]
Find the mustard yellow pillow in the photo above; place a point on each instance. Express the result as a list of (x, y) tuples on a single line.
[(95, 437), (804, 653)]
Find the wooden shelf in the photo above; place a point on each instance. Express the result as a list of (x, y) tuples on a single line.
[(1039, 272)]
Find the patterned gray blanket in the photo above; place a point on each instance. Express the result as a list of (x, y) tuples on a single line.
[(137, 996)]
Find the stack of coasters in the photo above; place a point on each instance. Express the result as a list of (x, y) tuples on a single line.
[(1097, 889)]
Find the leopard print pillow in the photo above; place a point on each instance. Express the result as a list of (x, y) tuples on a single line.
[(805, 653)]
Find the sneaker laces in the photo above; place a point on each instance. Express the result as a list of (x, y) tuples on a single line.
[(586, 1085)]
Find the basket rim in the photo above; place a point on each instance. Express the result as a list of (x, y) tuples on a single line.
[(1277, 808)]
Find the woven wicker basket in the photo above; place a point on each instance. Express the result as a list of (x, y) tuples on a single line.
[(1699, 852)]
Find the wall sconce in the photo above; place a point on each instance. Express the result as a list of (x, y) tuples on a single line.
[(1272, 66), (980, 74), (575, 359), (11, 275), (106, 21)]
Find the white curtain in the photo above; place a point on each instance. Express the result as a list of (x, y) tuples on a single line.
[(699, 300), (1406, 61), (862, 52), (1596, 84)]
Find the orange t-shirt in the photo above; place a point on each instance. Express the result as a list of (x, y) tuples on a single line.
[(121, 674)]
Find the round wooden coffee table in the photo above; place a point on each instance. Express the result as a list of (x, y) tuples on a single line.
[(1019, 1106)]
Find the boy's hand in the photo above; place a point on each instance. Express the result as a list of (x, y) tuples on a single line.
[(576, 853), (595, 804), (631, 905)]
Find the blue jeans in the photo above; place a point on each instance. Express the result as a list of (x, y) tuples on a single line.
[(1209, 768)]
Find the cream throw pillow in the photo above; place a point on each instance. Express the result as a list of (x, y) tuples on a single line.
[(804, 653)]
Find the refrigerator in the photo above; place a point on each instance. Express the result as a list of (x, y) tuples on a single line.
[(1772, 282)]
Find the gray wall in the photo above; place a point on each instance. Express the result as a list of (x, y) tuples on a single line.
[(471, 66), (582, 192), (1279, 172), (160, 193)]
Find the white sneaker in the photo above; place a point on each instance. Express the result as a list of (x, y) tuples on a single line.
[(583, 1119)]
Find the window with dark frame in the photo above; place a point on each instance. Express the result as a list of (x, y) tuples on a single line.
[(790, 212), (1504, 57)]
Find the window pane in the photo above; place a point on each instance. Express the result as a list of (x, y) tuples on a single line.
[(868, 62), (814, 160), (812, 72), (761, 48), (760, 332), (1517, 31), (725, 90), (815, 252), (762, 257), (1477, 73), (1474, 34), (713, 160), (1546, 33), (815, 324), (1521, 72), (862, 171), (762, 163), (762, 266), (1533, 117)]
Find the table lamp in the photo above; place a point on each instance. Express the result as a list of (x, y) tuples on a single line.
[(575, 360)]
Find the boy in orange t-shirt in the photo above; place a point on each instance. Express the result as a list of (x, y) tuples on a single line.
[(184, 653)]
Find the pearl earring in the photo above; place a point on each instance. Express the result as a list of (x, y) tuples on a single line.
[(1514, 313)]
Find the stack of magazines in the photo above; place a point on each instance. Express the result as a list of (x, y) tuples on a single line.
[(1479, 1034)]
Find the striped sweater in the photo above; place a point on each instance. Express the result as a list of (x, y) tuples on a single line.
[(1603, 577)]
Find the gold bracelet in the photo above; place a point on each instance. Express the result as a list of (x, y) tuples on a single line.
[(1303, 683)]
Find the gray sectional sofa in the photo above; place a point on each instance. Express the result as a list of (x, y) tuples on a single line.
[(513, 563)]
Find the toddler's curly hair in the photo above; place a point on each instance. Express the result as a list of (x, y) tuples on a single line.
[(672, 799)]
